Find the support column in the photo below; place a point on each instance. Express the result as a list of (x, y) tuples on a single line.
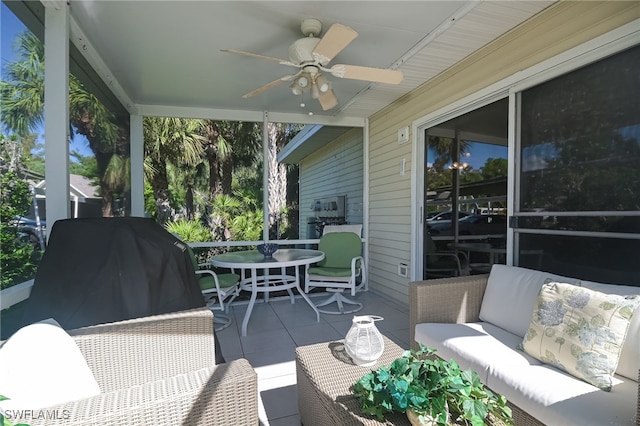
[(136, 138), (265, 176), (56, 111)]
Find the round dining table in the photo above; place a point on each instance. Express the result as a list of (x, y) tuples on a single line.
[(252, 261)]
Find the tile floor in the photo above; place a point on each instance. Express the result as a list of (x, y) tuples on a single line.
[(278, 327)]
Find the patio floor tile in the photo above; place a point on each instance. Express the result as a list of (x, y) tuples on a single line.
[(277, 327)]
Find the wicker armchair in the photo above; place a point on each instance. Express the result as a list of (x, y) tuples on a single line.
[(160, 370), (458, 300)]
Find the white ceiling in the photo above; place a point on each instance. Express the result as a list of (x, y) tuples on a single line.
[(162, 56)]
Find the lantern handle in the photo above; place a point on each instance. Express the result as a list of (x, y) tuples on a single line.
[(375, 317)]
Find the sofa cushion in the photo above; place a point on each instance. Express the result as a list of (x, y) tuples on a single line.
[(629, 363), (41, 366), (556, 398), (474, 346), (511, 295), (580, 331)]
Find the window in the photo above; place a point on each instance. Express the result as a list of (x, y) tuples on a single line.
[(579, 177)]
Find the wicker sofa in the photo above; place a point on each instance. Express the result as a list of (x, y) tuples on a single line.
[(160, 370), (446, 314)]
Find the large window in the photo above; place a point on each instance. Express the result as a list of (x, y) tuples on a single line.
[(466, 177), (579, 183)]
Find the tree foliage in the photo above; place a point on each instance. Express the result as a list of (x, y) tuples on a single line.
[(16, 258), (22, 93)]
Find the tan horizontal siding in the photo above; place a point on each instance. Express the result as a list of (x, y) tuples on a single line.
[(335, 169), (549, 33)]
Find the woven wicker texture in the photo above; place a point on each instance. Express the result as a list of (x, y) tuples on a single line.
[(458, 300), (160, 370), (325, 374)]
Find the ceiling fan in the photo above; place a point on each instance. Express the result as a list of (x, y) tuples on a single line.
[(311, 55)]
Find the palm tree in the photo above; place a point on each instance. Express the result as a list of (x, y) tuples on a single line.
[(229, 145), (173, 141), (22, 112), (279, 135)]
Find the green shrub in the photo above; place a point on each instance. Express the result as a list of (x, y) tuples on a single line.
[(16, 257), (189, 230)]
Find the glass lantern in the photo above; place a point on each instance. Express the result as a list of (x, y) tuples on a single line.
[(364, 342)]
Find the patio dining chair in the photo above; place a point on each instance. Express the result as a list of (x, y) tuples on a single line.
[(216, 289), (442, 264), (343, 268)]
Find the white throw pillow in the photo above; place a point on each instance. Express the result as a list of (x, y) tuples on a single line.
[(41, 366), (629, 364), (511, 294), (580, 331)]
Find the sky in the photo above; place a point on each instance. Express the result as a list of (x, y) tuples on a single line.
[(10, 27), (478, 153)]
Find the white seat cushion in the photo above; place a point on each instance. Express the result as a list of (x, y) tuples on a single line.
[(511, 295), (473, 346), (41, 366), (557, 398)]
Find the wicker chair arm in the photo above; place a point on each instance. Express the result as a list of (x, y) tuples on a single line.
[(445, 300), (226, 394)]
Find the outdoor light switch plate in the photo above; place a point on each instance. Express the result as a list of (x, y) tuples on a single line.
[(403, 134)]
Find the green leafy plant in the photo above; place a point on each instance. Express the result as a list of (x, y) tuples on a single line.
[(431, 388), (189, 230), (4, 421), (16, 258)]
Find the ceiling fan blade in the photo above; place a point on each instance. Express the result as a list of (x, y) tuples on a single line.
[(328, 100), (264, 88), (334, 40), (271, 85), (378, 75), (256, 55)]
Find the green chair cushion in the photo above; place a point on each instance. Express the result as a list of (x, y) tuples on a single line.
[(226, 280), (192, 256), (339, 248), (330, 272)]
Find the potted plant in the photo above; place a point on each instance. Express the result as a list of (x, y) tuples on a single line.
[(431, 391)]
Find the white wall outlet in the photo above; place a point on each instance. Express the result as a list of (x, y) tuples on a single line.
[(403, 134), (403, 270)]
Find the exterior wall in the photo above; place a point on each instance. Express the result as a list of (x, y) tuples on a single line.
[(336, 169), (553, 31)]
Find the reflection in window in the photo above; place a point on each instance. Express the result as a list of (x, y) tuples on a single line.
[(482, 176), (607, 260), (580, 139)]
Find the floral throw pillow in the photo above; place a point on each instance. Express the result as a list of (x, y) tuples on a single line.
[(580, 331)]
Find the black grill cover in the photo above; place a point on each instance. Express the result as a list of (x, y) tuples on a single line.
[(98, 270)]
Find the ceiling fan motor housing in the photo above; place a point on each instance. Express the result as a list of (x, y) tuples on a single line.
[(301, 50)]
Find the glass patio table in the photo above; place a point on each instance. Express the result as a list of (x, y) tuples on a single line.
[(252, 261)]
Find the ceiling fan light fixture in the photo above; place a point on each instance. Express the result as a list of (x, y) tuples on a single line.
[(323, 83), (302, 81), (297, 90), (315, 91)]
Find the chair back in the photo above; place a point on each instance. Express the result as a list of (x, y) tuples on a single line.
[(356, 229), (339, 248), (192, 256)]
